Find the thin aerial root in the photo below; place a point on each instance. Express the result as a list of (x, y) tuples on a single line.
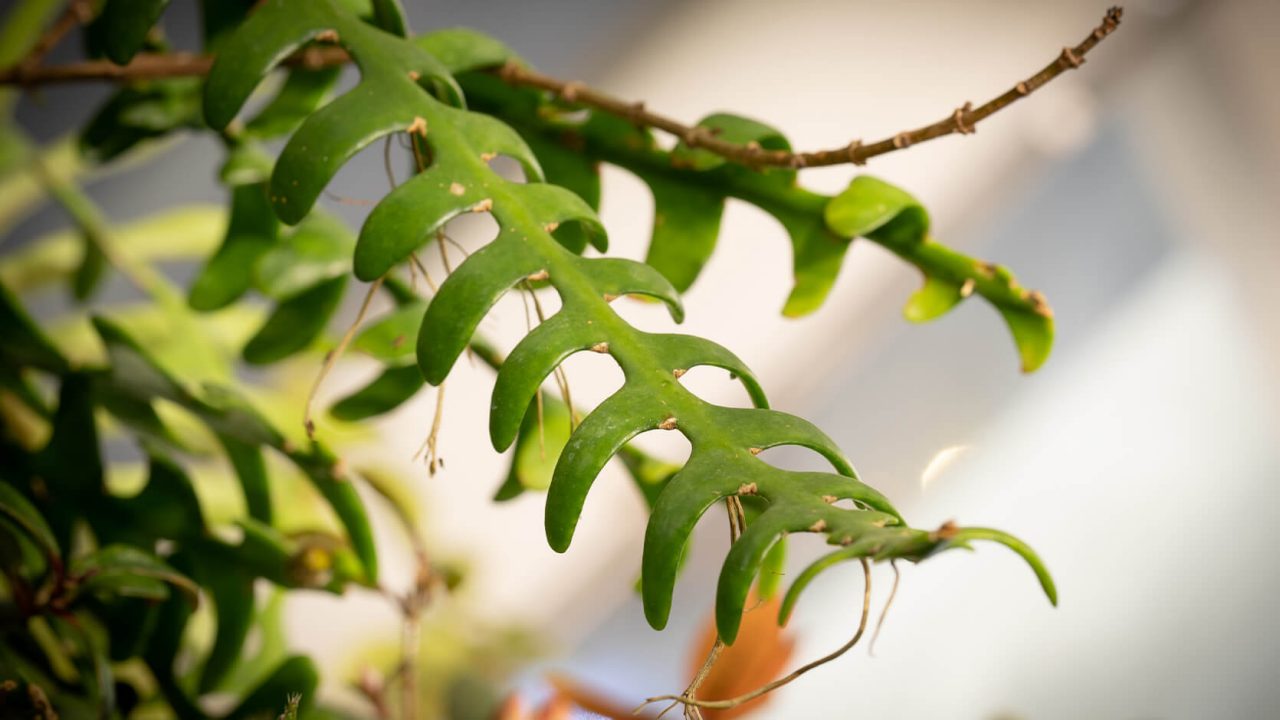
[(429, 446), (542, 429), (562, 378), (449, 239), (332, 358), (770, 687), (425, 272), (444, 253), (344, 200), (665, 710), (893, 593), (386, 162), (737, 517), (737, 523)]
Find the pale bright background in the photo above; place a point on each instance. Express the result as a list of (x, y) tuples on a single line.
[(1142, 462)]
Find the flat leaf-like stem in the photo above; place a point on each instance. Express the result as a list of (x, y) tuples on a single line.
[(454, 148)]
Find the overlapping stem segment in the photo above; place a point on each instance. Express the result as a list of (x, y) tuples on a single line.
[(542, 229)]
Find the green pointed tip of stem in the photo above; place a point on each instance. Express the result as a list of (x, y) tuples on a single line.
[(1022, 549)]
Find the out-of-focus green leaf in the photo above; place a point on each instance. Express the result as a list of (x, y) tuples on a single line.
[(251, 470), (129, 572), (391, 337), (24, 344), (1033, 333), (730, 128), (318, 250), (167, 507), (232, 594), (21, 27), (388, 15), (385, 393), (138, 113), (816, 257), (771, 570), (538, 449), (180, 234), (686, 223), (125, 24), (304, 91), (91, 659), (251, 232), (92, 266), (295, 323), (70, 464), (328, 476), (870, 204), (19, 513), (934, 299), (219, 18), (271, 647), (295, 676), (246, 164), (463, 49), (893, 218)]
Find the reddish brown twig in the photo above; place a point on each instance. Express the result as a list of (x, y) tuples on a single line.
[(962, 120), (78, 12)]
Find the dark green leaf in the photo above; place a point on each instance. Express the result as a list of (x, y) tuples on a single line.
[(388, 15), (251, 232), (391, 338), (295, 676), (246, 164), (730, 128), (772, 570), (129, 572), (125, 24), (90, 270), (303, 92), (251, 470), (686, 222), (19, 513), (387, 392), (24, 344), (232, 595), (318, 250), (463, 49), (295, 323)]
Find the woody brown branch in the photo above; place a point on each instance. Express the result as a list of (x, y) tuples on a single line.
[(961, 121)]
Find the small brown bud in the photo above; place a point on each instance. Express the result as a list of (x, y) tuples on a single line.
[(748, 489), (818, 526), (600, 347), (668, 424)]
